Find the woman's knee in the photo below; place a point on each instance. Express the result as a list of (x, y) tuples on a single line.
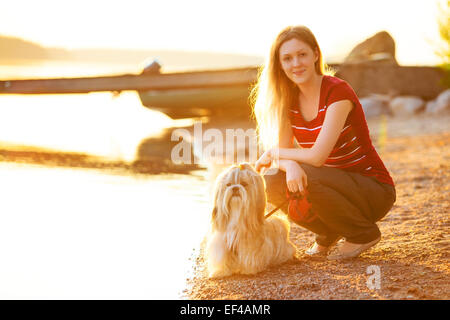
[(388, 203), (313, 173), (313, 178)]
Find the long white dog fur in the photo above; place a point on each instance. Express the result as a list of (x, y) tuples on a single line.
[(241, 240)]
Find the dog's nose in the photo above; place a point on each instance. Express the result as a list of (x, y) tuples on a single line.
[(235, 189)]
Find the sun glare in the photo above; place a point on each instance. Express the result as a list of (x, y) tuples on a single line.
[(246, 27)]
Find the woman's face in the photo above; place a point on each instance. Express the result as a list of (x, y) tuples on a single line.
[(297, 60)]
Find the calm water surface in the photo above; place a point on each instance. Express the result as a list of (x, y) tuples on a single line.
[(83, 234), (89, 234)]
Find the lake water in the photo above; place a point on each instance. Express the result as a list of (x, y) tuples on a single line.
[(70, 233), (80, 234)]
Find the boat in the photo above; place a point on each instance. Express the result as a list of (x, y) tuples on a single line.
[(231, 98), (179, 95), (190, 103)]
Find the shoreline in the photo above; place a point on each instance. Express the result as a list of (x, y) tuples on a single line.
[(151, 165)]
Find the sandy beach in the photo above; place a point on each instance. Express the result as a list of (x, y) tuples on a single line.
[(413, 255)]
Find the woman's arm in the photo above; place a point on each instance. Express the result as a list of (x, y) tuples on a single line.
[(285, 140), (332, 126), (296, 179), (286, 137)]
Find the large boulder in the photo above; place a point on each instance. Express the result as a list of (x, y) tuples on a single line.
[(440, 104), (379, 48), (406, 105)]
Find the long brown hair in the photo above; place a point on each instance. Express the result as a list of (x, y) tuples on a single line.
[(274, 91)]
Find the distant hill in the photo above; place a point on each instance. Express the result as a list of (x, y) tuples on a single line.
[(15, 48), (18, 49)]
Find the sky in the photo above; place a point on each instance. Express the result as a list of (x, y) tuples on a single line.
[(230, 26)]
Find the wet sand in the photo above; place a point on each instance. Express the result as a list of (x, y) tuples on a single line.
[(413, 255), (53, 158)]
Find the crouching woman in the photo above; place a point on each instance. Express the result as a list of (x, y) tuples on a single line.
[(315, 134)]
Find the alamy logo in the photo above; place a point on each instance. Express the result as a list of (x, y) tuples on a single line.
[(238, 145), (374, 280)]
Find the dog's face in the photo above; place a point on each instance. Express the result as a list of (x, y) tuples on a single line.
[(239, 198)]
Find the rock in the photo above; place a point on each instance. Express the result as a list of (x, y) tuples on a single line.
[(406, 105), (152, 67), (379, 48), (440, 104), (430, 107), (375, 105)]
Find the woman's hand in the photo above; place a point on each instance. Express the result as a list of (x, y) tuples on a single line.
[(264, 161), (296, 179)]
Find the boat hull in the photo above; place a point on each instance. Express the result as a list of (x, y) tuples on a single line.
[(228, 101)]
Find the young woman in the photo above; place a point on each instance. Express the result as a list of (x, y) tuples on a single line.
[(334, 159)]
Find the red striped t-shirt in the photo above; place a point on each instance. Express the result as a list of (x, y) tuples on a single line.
[(354, 150)]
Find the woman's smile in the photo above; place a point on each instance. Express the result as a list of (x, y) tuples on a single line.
[(299, 72)]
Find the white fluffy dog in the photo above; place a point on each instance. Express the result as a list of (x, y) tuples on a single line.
[(241, 240)]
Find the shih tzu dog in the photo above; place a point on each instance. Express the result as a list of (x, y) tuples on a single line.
[(241, 240)]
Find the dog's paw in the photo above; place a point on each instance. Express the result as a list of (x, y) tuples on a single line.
[(216, 274)]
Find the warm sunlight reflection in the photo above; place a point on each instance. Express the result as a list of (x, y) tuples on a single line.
[(95, 123), (78, 234), (86, 233)]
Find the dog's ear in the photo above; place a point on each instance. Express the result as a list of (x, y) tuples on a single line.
[(245, 166), (214, 214), (260, 194), (217, 221)]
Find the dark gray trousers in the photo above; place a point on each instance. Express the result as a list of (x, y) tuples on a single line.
[(347, 204)]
